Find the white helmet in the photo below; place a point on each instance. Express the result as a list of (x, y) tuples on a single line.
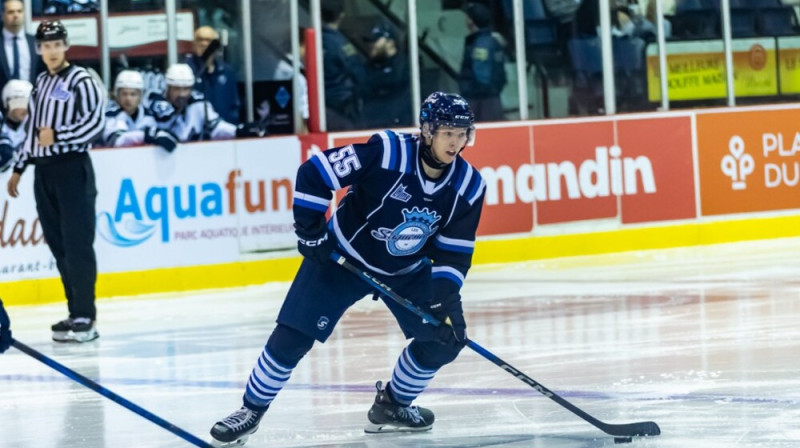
[(16, 94), (180, 75), (129, 79)]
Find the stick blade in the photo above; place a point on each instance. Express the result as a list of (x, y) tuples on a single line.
[(633, 429)]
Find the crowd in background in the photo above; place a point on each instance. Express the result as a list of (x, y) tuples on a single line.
[(199, 99)]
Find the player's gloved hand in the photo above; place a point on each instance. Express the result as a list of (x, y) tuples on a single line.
[(449, 306), (5, 329), (318, 249), (251, 129), (159, 137)]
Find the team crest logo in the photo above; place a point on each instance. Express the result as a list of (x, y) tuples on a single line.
[(411, 235)]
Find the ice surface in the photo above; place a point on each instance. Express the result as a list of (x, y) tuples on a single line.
[(704, 341)]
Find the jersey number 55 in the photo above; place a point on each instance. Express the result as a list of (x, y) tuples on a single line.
[(344, 161)]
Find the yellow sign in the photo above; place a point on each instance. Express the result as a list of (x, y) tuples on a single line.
[(789, 64), (696, 70)]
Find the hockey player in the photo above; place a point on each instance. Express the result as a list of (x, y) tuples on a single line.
[(128, 123), (16, 94), (184, 112), (411, 199)]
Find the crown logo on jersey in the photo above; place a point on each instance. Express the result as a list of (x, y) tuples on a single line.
[(409, 236), (423, 216)]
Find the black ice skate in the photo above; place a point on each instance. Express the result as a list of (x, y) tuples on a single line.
[(387, 416), (235, 429), (80, 329)]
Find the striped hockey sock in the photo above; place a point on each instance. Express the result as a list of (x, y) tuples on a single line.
[(267, 379), (409, 379)]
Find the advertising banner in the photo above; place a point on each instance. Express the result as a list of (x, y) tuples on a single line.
[(571, 174), (635, 169), (789, 64), (749, 160), (265, 183), (503, 156), (657, 169), (133, 30), (205, 203), (696, 69), (23, 251)]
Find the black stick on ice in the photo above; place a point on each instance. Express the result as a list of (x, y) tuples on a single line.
[(77, 377)]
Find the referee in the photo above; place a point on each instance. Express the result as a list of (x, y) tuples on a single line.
[(66, 115)]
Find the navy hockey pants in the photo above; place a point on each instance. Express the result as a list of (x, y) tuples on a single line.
[(320, 295)]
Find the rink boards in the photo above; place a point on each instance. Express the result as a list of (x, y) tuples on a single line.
[(218, 214)]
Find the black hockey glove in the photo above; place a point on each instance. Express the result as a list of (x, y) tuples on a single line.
[(160, 137), (449, 306), (5, 329), (251, 129), (317, 249)]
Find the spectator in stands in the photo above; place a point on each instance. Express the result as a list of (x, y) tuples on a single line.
[(344, 71), (388, 81), (128, 123), (18, 60), (214, 78), (640, 26), (184, 112), (285, 71), (16, 94), (587, 19), (562, 10), (651, 17), (483, 73)]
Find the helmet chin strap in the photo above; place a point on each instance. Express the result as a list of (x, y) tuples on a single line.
[(427, 156)]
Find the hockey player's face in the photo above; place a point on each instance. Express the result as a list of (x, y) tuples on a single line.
[(54, 54), (448, 142), (129, 99), (179, 96)]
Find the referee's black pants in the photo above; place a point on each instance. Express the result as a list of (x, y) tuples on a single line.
[(65, 200)]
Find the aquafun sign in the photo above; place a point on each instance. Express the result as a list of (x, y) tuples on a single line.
[(141, 212)]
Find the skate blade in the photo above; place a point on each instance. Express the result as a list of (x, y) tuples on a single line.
[(86, 336), (239, 442), (69, 336), (61, 336), (374, 428)]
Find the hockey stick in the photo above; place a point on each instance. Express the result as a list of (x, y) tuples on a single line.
[(623, 432), (77, 377)]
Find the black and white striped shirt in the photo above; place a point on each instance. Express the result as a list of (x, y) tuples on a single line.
[(71, 103)]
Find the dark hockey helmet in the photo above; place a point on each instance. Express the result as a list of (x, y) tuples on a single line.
[(51, 30), (446, 109)]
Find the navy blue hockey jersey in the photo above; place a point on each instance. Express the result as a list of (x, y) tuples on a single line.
[(393, 218)]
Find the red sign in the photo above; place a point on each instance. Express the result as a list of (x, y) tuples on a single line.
[(501, 155), (571, 172), (657, 169)]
